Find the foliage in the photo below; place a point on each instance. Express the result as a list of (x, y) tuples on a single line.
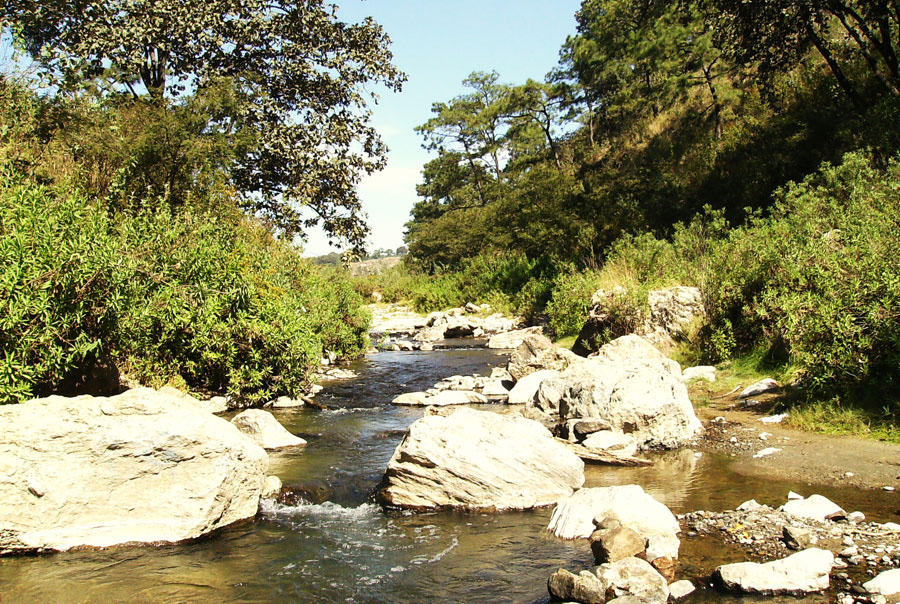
[(275, 88), (210, 300)]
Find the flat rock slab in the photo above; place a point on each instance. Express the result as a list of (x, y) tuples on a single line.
[(265, 430), (802, 573), (139, 467), (479, 460)]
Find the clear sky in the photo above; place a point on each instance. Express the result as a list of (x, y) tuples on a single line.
[(437, 43)]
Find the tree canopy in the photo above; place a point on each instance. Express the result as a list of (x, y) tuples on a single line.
[(287, 80)]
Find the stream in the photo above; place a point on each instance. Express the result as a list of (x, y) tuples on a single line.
[(342, 548)]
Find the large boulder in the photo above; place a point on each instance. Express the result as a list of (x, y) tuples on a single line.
[(574, 517), (664, 320), (265, 430), (804, 572), (537, 353), (479, 460), (139, 467), (643, 400)]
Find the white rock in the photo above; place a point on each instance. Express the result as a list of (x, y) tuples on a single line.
[(804, 572), (500, 373), (271, 488), (766, 452), (537, 352), (479, 460), (766, 385), (456, 397), (412, 398), (814, 507), (701, 372), (856, 516), (886, 583), (749, 506), (773, 419), (792, 496), (635, 349), (284, 402), (681, 589), (611, 442), (265, 430), (511, 339), (525, 390), (138, 467), (573, 517), (494, 389)]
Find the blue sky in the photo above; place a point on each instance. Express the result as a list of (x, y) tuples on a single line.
[(437, 44)]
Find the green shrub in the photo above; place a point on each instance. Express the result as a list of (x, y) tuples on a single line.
[(208, 300), (58, 296)]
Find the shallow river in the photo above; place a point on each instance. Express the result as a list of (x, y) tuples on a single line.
[(342, 548)]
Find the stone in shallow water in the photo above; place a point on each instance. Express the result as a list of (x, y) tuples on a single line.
[(574, 516), (886, 583), (265, 430), (479, 460)]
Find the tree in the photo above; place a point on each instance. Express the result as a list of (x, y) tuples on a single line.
[(846, 33), (297, 123)]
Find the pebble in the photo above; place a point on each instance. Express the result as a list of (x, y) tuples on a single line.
[(887, 488)]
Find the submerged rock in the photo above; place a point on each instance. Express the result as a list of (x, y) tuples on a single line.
[(139, 467), (804, 572), (479, 460), (265, 430)]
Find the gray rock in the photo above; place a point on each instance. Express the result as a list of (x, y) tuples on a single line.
[(536, 353), (801, 573), (265, 430), (886, 583), (584, 587), (139, 467), (634, 577), (796, 538), (479, 460), (582, 428), (614, 544), (643, 400)]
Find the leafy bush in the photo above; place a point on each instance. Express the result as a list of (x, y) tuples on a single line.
[(210, 300)]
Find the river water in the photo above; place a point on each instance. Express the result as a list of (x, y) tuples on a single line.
[(342, 548)]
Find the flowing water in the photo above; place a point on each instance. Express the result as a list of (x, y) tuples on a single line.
[(342, 548)]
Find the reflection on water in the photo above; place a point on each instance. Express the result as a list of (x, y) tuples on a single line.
[(346, 549)]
